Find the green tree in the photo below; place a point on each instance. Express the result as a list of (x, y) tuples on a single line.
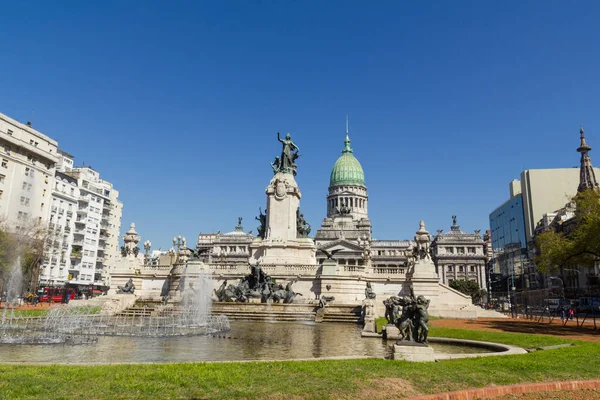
[(580, 246), (470, 288), (28, 243)]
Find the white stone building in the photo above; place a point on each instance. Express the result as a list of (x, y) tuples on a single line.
[(460, 255), (27, 165)]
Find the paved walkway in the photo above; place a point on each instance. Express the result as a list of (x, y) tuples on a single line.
[(519, 325)]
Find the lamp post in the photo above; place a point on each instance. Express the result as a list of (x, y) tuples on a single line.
[(562, 283)]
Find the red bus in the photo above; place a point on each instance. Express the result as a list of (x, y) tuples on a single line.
[(57, 295)]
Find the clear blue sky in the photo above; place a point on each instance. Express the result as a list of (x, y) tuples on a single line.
[(178, 103)]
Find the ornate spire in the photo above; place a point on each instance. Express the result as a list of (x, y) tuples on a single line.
[(347, 148), (587, 177)]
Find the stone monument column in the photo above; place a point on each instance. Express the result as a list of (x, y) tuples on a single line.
[(283, 201), (283, 239)]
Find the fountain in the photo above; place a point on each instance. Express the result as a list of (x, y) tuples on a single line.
[(83, 324)]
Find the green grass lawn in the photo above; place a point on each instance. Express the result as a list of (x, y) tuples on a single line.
[(26, 313), (307, 379)]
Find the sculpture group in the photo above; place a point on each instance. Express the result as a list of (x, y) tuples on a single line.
[(256, 285), (409, 314)]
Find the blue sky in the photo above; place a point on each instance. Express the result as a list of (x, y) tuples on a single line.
[(178, 103)]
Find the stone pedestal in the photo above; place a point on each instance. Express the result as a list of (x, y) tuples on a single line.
[(411, 351), (369, 316), (391, 332), (281, 245)]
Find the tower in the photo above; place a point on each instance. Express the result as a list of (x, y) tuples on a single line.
[(587, 177), (347, 200)]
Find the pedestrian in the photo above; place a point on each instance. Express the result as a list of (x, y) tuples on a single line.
[(571, 313), (562, 314)]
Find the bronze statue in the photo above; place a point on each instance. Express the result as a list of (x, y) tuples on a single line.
[(413, 320), (302, 227), (128, 288), (330, 254), (262, 218), (289, 154)]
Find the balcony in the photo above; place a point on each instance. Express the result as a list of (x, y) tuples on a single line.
[(76, 255), (54, 209), (80, 221), (51, 225), (82, 211), (84, 199), (61, 212), (69, 213), (67, 229), (78, 242)]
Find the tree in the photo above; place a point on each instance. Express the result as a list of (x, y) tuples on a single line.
[(580, 246), (470, 288), (27, 243)]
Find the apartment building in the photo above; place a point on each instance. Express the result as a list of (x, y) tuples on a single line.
[(61, 227), (95, 238), (27, 166)]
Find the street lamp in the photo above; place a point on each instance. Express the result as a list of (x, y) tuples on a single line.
[(562, 283)]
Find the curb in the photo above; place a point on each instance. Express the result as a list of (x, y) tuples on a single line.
[(493, 391)]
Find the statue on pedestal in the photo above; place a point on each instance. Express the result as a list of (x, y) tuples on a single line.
[(302, 227), (413, 320), (369, 292)]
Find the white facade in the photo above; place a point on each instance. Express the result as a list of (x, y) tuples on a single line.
[(27, 166), (61, 226), (95, 240)]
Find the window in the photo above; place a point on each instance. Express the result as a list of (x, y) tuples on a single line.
[(31, 141), (2, 177), (10, 132), (24, 186), (1, 194), (450, 250), (4, 163), (449, 268), (461, 268), (7, 149), (472, 268)]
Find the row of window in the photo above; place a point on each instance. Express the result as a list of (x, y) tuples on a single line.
[(461, 268), (461, 250)]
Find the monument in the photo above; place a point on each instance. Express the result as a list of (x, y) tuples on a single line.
[(283, 246)]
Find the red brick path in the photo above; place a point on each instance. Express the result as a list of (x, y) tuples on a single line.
[(494, 391)]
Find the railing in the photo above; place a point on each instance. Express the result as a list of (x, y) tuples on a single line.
[(69, 213)]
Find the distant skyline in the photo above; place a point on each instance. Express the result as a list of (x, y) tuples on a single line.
[(178, 104)]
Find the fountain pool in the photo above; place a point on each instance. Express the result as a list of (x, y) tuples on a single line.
[(245, 341)]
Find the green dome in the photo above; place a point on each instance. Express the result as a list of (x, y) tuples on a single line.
[(347, 169)]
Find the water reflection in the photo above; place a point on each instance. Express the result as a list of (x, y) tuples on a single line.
[(245, 341)]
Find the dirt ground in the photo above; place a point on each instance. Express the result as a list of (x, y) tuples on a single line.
[(39, 306), (519, 325)]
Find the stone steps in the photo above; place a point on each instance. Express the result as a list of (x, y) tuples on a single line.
[(341, 317), (137, 311)]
